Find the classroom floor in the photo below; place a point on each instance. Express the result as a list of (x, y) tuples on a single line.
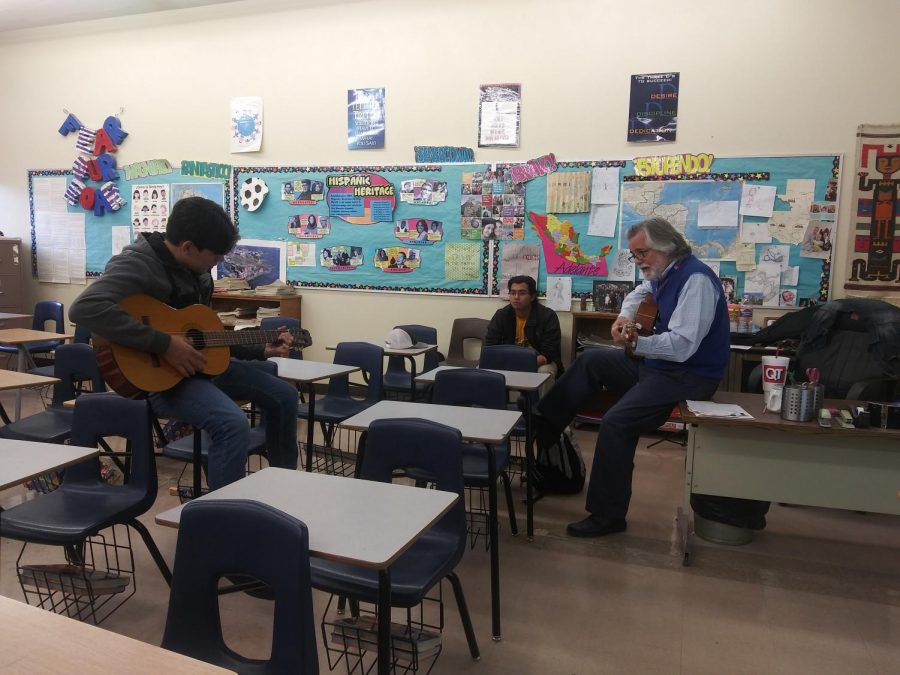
[(817, 592)]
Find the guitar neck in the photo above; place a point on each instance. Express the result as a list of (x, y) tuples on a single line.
[(228, 338)]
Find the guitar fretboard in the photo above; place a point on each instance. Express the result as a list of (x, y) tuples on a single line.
[(227, 338)]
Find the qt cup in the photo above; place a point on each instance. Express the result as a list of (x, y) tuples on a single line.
[(773, 398), (774, 372)]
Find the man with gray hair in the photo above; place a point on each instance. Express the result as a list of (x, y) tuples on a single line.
[(684, 358)]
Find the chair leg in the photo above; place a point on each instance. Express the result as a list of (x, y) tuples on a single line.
[(153, 548), (513, 525), (464, 615)]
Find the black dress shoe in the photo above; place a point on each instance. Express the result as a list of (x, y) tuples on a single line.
[(596, 526)]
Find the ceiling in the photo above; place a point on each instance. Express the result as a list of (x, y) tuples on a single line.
[(24, 14)]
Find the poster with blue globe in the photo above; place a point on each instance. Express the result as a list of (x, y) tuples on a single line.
[(365, 119), (246, 123)]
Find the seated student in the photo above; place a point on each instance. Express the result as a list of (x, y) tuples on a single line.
[(527, 323), (174, 269)]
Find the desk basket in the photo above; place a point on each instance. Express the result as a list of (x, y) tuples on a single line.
[(800, 402)]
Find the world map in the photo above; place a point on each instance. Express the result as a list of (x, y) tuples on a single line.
[(679, 202)]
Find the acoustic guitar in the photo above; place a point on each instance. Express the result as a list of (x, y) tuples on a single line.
[(132, 373), (643, 324)]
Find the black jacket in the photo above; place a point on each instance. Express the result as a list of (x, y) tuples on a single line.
[(541, 330)]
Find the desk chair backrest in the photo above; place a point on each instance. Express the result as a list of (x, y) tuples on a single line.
[(82, 335), (428, 448), (425, 334), (276, 322), (98, 416), (48, 311), (508, 357), (75, 363), (466, 329), (367, 356), (238, 537), (470, 387)]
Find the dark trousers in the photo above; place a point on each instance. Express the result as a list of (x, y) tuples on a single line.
[(646, 398)]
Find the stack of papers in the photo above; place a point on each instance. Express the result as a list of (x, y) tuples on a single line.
[(710, 409)]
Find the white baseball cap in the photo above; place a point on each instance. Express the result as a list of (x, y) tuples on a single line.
[(400, 338)]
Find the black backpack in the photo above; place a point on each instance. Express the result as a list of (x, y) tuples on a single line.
[(559, 468)]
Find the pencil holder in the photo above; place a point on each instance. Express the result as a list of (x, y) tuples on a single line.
[(799, 402)]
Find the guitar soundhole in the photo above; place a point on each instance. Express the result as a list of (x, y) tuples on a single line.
[(196, 339)]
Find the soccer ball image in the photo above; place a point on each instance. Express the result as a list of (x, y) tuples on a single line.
[(253, 191)]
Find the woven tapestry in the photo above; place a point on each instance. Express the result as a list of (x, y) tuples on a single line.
[(874, 261)]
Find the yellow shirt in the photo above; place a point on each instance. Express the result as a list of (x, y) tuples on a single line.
[(521, 340)]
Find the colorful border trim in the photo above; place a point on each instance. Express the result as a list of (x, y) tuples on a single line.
[(753, 175)]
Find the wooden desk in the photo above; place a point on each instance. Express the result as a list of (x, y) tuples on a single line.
[(526, 383), (8, 317), (477, 425), (37, 641), (22, 460), (21, 338), (359, 522), (12, 379), (310, 372), (772, 459)]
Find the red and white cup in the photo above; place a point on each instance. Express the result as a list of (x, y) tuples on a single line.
[(774, 372)]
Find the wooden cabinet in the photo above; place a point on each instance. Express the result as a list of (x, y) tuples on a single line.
[(11, 284), (590, 324), (288, 305)]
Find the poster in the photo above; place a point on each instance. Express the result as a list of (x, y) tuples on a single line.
[(361, 198), (492, 207), (365, 119), (259, 262), (246, 123), (499, 111), (149, 207), (653, 110), (515, 260), (569, 192)]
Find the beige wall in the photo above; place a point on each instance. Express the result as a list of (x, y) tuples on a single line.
[(762, 77)]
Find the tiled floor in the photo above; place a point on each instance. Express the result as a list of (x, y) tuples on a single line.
[(817, 592)]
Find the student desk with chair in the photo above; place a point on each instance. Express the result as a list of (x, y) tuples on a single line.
[(525, 383), (409, 353), (13, 379), (310, 372), (358, 522), (477, 425), (23, 460), (772, 459), (37, 641), (21, 338)]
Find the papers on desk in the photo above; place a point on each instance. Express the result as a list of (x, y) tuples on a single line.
[(710, 409)]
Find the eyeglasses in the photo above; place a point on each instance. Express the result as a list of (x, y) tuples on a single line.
[(639, 254)]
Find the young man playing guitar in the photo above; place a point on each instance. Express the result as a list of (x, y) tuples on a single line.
[(174, 269), (683, 358)]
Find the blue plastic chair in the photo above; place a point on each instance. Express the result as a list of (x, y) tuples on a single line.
[(82, 336), (482, 389), (45, 311), (84, 505), (396, 377), (436, 451), (54, 425), (276, 322), (337, 405), (522, 359), (259, 541)]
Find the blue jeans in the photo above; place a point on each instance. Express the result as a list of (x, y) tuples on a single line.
[(646, 398), (209, 404)]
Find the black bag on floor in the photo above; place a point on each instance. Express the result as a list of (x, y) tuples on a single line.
[(559, 468)]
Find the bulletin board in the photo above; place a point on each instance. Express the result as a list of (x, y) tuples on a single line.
[(364, 235), (98, 229), (302, 208), (797, 219)]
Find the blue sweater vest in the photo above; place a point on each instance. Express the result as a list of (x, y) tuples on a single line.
[(711, 358)]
